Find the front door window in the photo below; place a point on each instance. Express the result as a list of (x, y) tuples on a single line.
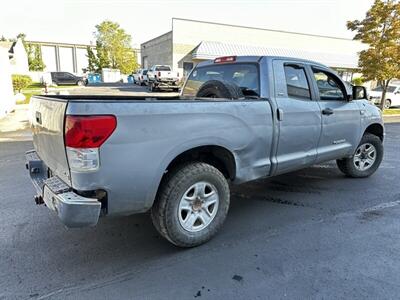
[(329, 86)]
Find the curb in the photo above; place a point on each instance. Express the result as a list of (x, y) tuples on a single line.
[(391, 118)]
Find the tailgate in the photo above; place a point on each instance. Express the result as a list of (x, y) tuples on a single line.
[(168, 75), (47, 118)]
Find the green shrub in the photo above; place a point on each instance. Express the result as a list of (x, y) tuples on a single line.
[(357, 81), (20, 82)]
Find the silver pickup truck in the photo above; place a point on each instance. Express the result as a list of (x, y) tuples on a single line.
[(237, 119)]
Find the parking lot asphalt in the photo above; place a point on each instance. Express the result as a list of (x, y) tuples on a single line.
[(311, 234)]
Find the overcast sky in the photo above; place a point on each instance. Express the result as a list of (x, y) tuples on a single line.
[(73, 21)]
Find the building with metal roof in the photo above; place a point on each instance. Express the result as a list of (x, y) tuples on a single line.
[(191, 41), (211, 50)]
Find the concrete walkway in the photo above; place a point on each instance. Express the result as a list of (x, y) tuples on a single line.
[(391, 118), (15, 126)]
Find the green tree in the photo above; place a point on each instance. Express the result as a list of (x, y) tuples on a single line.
[(35, 60), (113, 46), (34, 54), (20, 82), (357, 81), (92, 60), (21, 36), (381, 31), (103, 60)]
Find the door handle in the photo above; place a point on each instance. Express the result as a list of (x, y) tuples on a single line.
[(327, 111)]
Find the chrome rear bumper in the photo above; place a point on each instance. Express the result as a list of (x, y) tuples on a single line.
[(72, 209)]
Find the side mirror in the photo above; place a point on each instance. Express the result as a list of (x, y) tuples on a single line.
[(359, 92)]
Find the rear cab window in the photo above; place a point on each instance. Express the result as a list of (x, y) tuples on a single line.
[(244, 75)]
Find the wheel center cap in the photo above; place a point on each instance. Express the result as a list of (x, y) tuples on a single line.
[(197, 204)]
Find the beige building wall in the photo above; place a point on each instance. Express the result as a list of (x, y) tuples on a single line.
[(187, 34), (157, 51)]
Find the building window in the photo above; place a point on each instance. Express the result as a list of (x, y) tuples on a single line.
[(145, 63)]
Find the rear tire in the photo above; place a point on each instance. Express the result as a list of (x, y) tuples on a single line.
[(192, 204), (151, 87), (366, 159)]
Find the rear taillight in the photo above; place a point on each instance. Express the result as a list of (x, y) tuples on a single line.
[(88, 131), (83, 137), (159, 74)]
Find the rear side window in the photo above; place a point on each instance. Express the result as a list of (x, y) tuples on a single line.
[(69, 76), (296, 82), (163, 68), (246, 76)]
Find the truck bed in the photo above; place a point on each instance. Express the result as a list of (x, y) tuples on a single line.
[(75, 98)]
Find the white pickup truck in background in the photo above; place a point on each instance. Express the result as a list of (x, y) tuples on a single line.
[(140, 77), (161, 77)]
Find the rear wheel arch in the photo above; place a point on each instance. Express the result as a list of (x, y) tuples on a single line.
[(221, 158), (217, 156)]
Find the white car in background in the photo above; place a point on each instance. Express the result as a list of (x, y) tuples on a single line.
[(136, 76), (141, 78), (392, 96)]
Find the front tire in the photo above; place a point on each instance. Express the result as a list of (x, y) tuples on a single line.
[(191, 205), (366, 159)]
